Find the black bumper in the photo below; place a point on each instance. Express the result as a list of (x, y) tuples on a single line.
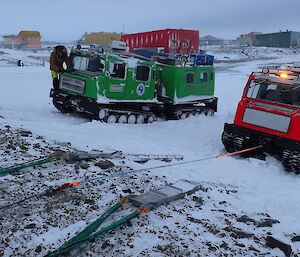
[(271, 143)]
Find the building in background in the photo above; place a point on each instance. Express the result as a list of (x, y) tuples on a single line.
[(10, 41), (101, 38), (169, 40), (279, 39), (24, 40), (248, 39), (211, 40)]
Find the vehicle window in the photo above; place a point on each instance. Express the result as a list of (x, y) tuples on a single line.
[(190, 77), (95, 65), (92, 64), (142, 73), (117, 70), (80, 63), (203, 77), (286, 94)]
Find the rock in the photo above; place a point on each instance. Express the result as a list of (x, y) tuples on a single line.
[(274, 243), (198, 200), (194, 220), (84, 166), (105, 244), (261, 223), (127, 191), (242, 234), (296, 238), (14, 229), (36, 146), (266, 223), (30, 226), (38, 249), (238, 233), (142, 161), (245, 219), (25, 133), (224, 245), (11, 146), (23, 147), (252, 248), (104, 164), (89, 201)]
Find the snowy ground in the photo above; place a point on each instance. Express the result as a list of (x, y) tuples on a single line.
[(207, 223)]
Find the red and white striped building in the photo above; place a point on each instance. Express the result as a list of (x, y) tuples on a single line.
[(178, 41)]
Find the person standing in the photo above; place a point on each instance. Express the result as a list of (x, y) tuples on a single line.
[(58, 57)]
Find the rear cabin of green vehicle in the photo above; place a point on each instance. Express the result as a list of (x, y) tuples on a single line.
[(184, 84)]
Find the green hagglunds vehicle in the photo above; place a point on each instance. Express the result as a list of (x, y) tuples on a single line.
[(123, 88)]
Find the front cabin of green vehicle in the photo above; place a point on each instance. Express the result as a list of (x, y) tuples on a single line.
[(129, 79), (106, 77)]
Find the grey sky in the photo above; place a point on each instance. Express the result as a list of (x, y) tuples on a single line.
[(67, 20)]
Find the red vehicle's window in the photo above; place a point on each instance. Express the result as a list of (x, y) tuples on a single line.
[(273, 92)]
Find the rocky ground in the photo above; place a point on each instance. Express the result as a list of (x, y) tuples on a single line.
[(203, 224)]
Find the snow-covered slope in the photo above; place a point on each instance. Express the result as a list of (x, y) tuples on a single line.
[(230, 53), (209, 223)]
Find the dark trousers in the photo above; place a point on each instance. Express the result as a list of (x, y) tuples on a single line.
[(56, 84)]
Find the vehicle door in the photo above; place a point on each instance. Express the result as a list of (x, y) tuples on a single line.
[(143, 82), (116, 78)]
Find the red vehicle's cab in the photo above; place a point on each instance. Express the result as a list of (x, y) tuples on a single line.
[(268, 114), (271, 104)]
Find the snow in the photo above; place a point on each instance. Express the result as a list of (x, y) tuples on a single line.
[(191, 98), (235, 186)]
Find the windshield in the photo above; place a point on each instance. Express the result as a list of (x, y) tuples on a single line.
[(273, 92), (92, 64)]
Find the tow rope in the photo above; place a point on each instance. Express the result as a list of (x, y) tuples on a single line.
[(51, 191), (80, 156), (59, 155)]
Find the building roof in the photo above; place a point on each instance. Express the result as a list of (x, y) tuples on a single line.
[(102, 32), (9, 36), (161, 30), (209, 37), (29, 33)]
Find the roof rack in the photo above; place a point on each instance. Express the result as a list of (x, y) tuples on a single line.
[(284, 74), (295, 68)]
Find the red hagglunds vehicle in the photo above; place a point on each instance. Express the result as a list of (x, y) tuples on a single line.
[(269, 115)]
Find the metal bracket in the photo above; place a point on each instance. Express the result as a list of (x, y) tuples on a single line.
[(171, 192)]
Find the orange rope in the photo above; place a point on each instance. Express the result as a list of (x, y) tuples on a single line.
[(242, 151), (124, 201), (143, 210)]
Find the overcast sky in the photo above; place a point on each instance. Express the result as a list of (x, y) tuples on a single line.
[(67, 20)]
